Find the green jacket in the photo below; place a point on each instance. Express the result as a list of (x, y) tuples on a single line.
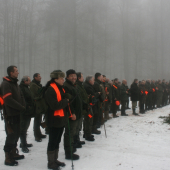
[(29, 100), (115, 91), (98, 87), (76, 102), (83, 95), (123, 94), (160, 90), (40, 103)]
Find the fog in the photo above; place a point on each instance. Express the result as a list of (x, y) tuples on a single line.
[(120, 38)]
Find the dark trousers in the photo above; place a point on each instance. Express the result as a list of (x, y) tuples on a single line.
[(12, 135), (123, 103), (95, 115), (114, 108), (24, 125), (70, 132), (55, 135), (37, 123), (141, 106), (88, 124)]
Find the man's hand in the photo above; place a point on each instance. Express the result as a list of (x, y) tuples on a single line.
[(73, 117)]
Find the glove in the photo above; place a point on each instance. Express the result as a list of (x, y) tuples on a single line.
[(67, 96)]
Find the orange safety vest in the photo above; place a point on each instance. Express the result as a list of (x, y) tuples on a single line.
[(60, 112), (1, 101)]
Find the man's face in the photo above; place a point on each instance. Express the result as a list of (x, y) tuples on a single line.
[(15, 73), (60, 81), (100, 78), (38, 78), (116, 81), (28, 82), (92, 81), (136, 81), (72, 78), (104, 78), (82, 78)]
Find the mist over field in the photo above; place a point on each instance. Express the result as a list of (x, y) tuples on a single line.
[(119, 38)]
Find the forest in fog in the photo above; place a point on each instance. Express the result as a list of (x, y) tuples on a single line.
[(120, 38)]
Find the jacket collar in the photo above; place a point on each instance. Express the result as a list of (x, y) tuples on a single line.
[(10, 79), (98, 81), (69, 82), (37, 82)]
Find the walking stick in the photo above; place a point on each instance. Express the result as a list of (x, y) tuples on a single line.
[(70, 142), (72, 166)]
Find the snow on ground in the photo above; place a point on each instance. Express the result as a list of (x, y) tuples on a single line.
[(138, 143)]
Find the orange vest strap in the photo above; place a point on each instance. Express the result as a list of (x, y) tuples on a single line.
[(60, 112), (6, 95), (1, 101), (114, 86)]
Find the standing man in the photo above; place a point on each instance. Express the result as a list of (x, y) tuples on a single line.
[(29, 113), (84, 99), (134, 89), (153, 86), (35, 87), (76, 110), (123, 97), (115, 97), (98, 106), (142, 96), (159, 91), (14, 105), (93, 99)]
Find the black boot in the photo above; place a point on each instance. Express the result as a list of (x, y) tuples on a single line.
[(90, 138), (15, 154), (95, 131), (134, 113), (69, 157), (37, 135), (80, 142), (23, 144)]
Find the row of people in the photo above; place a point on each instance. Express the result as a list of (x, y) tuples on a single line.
[(68, 105)]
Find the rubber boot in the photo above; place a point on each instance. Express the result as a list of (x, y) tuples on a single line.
[(62, 164), (51, 157), (9, 160)]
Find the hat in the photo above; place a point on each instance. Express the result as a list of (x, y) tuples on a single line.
[(57, 74), (71, 71)]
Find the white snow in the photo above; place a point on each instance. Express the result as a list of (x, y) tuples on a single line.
[(139, 143)]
